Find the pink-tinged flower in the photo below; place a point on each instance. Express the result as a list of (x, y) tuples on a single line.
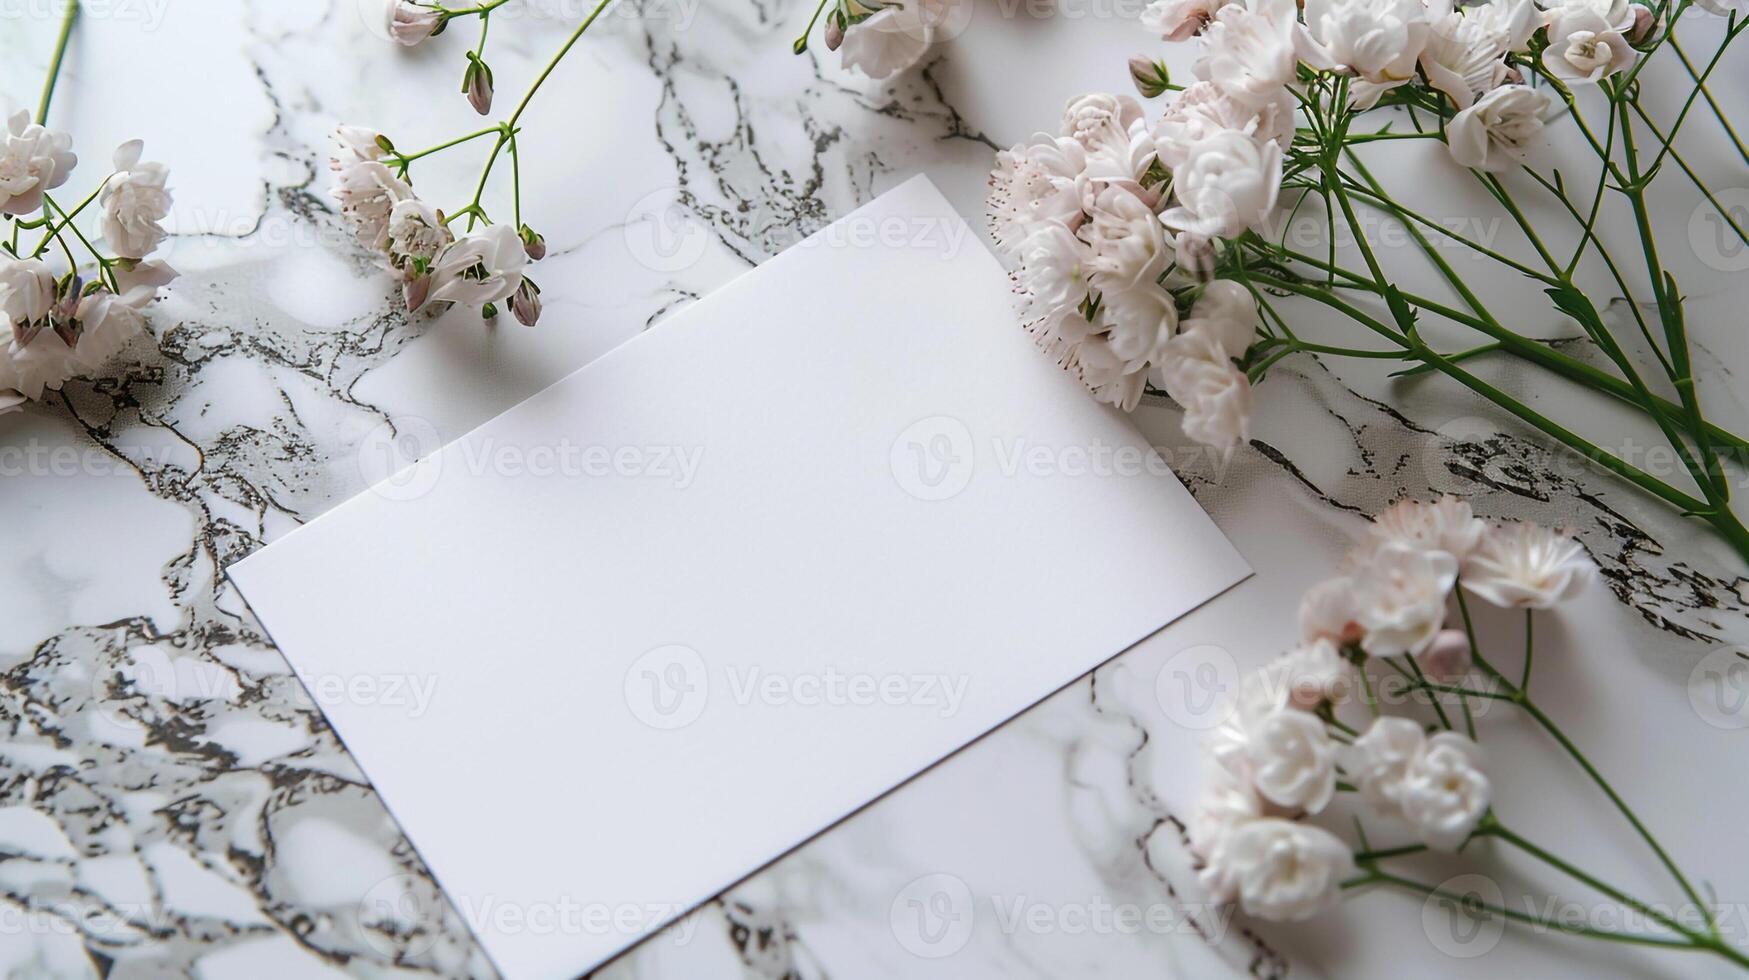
[(409, 23), (1034, 183), (135, 202), (1215, 394), (1179, 20), (1203, 110), (1524, 566), (100, 324), (367, 193), (1498, 130), (33, 161), (1401, 597), (1313, 674), (1446, 524), (1248, 50), (484, 267), (1330, 611), (1448, 657), (893, 38)]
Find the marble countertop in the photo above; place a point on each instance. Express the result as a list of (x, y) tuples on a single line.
[(171, 801)]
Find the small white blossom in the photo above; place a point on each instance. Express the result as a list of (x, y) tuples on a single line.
[(1378, 41), (102, 323), (1467, 46), (1227, 314), (27, 291), (134, 202), (1448, 657), (1248, 50), (353, 144), (1201, 110), (1285, 871), (1227, 183), (1178, 20), (891, 39), (1313, 674), (1293, 760), (1401, 597), (1496, 132), (484, 267), (1098, 119), (1330, 611), (1444, 792), (1524, 566), (1228, 803), (1446, 524), (33, 161), (367, 192), (1034, 183), (1584, 46), (1127, 240), (1379, 760), (1214, 393)]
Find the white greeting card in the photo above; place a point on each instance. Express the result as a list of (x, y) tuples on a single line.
[(729, 583)]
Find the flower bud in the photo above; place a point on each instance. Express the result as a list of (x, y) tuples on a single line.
[(533, 244), (834, 32), (1151, 77), (416, 291), (1645, 23), (489, 311), (477, 84), (525, 302), (1447, 658), (63, 315)]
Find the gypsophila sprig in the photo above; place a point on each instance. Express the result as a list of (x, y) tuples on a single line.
[(481, 265), (1309, 726), (1286, 105), (72, 298)]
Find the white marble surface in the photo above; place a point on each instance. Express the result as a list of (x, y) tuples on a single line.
[(171, 802)]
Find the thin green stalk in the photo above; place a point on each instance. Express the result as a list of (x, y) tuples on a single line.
[(68, 16), (1718, 112)]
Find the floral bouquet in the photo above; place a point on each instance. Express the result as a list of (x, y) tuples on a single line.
[(1152, 255), (1285, 750)]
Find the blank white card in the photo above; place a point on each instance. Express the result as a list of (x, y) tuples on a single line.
[(720, 588)]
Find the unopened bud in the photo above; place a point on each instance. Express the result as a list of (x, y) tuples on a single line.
[(1151, 77), (533, 244), (1447, 658), (477, 84), (1644, 24), (63, 315), (834, 32), (525, 302), (416, 291), (489, 311)]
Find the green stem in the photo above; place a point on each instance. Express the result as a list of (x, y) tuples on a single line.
[(801, 43), (67, 17)]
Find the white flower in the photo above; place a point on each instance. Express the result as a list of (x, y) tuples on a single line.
[(34, 160), (1257, 699), (1329, 611), (1496, 131), (414, 236), (1248, 50), (1446, 524), (1312, 674), (1285, 871), (1228, 803), (1444, 793), (1293, 760), (1524, 566), (1227, 183), (1215, 395), (103, 322), (891, 39), (409, 23), (1113, 378), (1033, 184), (134, 201), (27, 290), (1584, 46), (1376, 40), (1052, 277), (1467, 46), (1201, 110), (354, 144), (1177, 20), (367, 192), (1227, 314), (1127, 241), (1098, 119), (1141, 320), (1379, 760), (480, 268), (1401, 596)]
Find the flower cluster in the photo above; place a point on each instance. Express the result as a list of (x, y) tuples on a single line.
[(1281, 752), (1108, 259), (413, 240), (67, 316)]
